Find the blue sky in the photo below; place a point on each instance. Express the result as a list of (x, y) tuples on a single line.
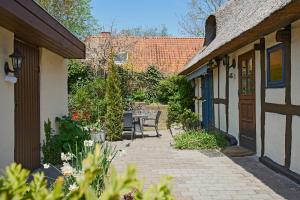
[(136, 13)]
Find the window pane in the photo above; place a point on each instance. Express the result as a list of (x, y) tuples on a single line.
[(244, 86), (250, 67), (276, 65), (244, 68)]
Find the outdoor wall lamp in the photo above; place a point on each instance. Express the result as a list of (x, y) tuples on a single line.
[(16, 60), (226, 62)]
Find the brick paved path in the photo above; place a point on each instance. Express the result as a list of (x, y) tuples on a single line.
[(204, 175)]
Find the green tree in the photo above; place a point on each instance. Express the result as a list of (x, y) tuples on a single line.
[(114, 114), (75, 15), (146, 32)]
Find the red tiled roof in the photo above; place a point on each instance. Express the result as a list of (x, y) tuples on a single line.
[(169, 54)]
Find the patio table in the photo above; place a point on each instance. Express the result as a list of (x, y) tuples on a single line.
[(140, 118)]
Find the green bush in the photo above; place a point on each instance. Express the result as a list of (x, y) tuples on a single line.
[(189, 120), (177, 92), (200, 140), (114, 114), (71, 136), (139, 95), (14, 185), (88, 101)]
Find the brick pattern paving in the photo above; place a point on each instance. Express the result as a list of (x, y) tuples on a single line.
[(204, 175)]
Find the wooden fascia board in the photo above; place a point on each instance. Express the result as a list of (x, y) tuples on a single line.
[(26, 25)]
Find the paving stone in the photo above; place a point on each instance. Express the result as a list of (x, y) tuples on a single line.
[(207, 175)]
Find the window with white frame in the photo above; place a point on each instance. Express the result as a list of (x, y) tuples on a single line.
[(121, 58)]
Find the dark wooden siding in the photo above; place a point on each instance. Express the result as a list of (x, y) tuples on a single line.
[(27, 108)]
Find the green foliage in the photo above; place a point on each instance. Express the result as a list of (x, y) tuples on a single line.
[(200, 140), (114, 114), (75, 15), (139, 95), (88, 101), (70, 136), (14, 185), (177, 92), (116, 186), (76, 165), (78, 75), (146, 32), (175, 88), (151, 78), (189, 119)]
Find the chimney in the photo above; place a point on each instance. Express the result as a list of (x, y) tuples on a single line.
[(105, 34)]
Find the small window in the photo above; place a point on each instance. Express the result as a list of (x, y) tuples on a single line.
[(276, 66), (121, 58)]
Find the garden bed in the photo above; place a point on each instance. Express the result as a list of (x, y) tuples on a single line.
[(200, 140)]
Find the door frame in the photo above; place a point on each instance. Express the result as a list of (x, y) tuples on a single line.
[(250, 53)]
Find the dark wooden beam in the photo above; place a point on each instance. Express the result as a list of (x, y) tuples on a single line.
[(282, 109), (288, 140), (220, 101)]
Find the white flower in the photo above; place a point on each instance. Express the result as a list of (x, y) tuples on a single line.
[(46, 166), (122, 152), (86, 128), (88, 143), (73, 187), (66, 157), (67, 169), (110, 158)]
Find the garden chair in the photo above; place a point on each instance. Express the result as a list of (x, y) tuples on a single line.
[(128, 125), (153, 122)]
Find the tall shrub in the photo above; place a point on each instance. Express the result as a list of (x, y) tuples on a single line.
[(114, 114)]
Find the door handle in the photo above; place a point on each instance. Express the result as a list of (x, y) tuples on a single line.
[(203, 100)]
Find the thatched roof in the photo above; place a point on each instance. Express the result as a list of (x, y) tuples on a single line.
[(235, 18)]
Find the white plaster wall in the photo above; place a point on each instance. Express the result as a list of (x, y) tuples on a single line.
[(215, 95), (295, 90), (275, 137), (295, 154), (53, 87), (273, 95), (258, 102), (295, 63), (222, 81), (215, 82), (198, 103), (233, 109), (216, 115), (7, 130), (223, 117)]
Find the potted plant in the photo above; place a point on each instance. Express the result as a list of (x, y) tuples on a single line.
[(97, 131)]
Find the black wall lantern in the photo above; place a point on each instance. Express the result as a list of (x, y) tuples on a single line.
[(226, 62), (16, 60)]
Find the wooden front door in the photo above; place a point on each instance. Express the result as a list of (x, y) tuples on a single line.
[(27, 108), (247, 100)]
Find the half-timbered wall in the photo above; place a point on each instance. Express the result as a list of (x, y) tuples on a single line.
[(295, 96)]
